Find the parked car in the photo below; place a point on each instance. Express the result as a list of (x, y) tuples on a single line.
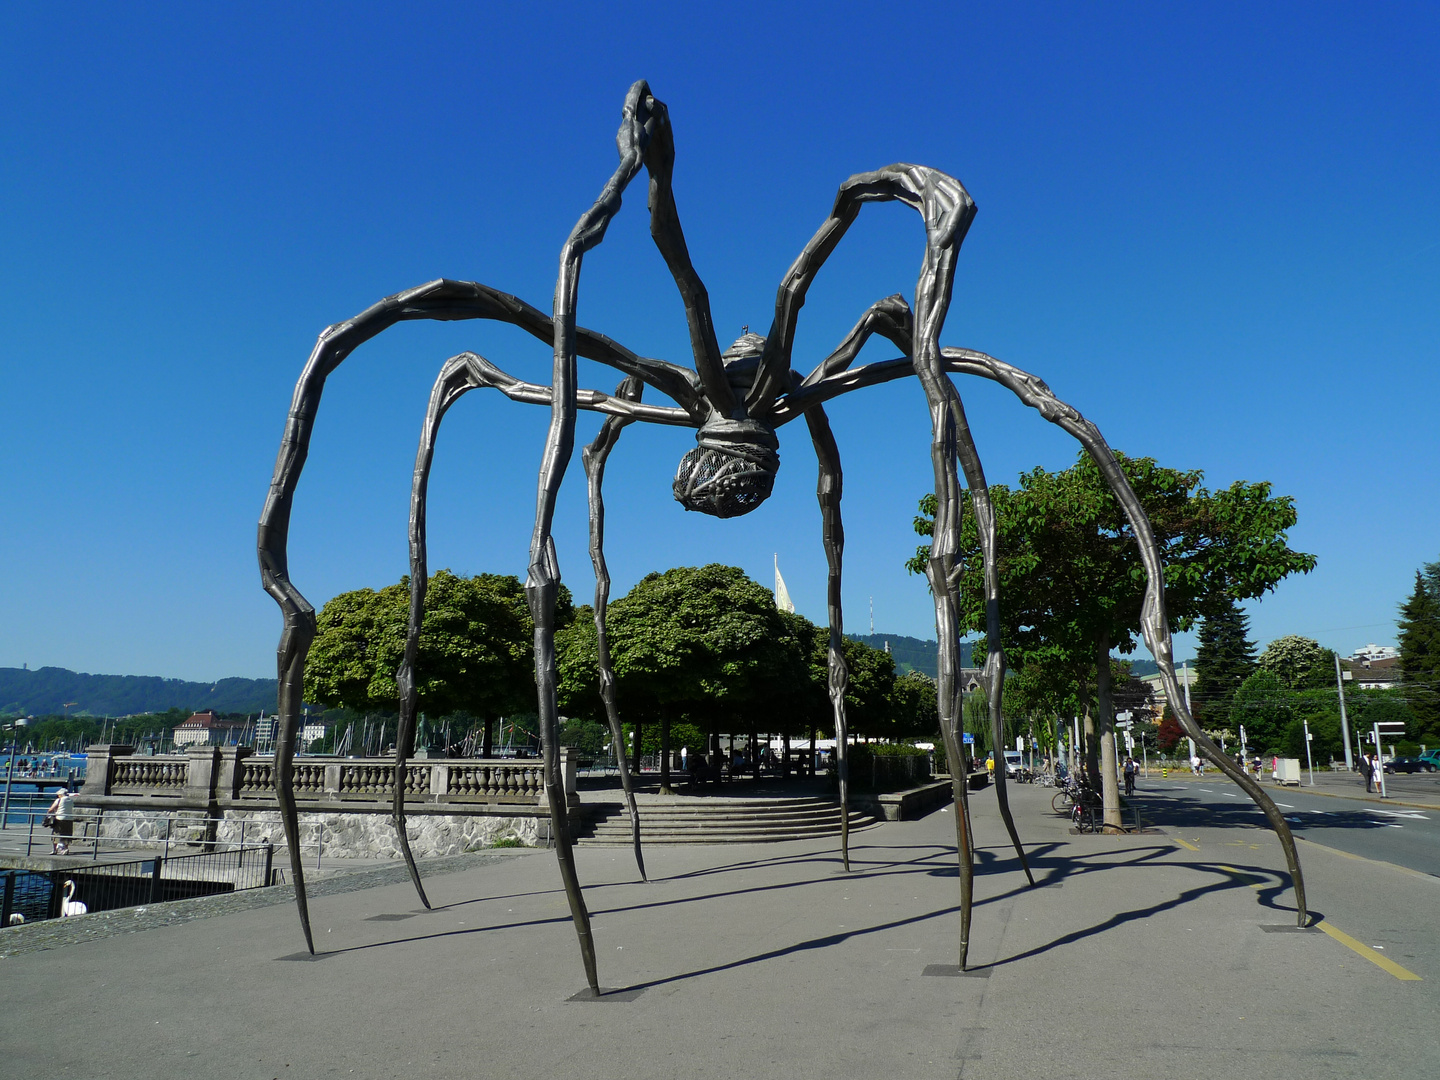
[(1409, 765)]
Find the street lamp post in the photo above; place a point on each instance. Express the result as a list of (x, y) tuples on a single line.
[(9, 782)]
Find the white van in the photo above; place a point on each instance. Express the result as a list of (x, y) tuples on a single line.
[(1014, 763)]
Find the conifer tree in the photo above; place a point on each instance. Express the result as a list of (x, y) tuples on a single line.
[(1225, 660), (1420, 652)]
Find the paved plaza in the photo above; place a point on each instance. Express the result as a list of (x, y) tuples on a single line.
[(1168, 953)]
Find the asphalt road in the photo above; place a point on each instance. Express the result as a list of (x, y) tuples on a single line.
[(1375, 829)]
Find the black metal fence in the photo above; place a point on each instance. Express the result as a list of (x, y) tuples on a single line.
[(76, 890)]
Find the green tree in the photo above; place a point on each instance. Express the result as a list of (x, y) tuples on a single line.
[(1320, 709), (701, 644), (914, 706), (1072, 582), (1265, 706), (1420, 652), (1300, 663), (1225, 659), (476, 647)]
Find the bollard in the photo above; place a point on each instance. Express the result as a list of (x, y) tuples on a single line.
[(1165, 773)]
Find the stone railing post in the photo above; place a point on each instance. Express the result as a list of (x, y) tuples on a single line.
[(439, 781), (99, 768), (201, 772), (229, 774), (332, 779)]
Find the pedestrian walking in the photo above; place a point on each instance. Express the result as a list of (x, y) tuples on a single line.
[(1130, 776), (1196, 766), (61, 819), (1367, 770)]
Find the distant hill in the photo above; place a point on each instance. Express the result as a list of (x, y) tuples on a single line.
[(47, 690), (912, 654)]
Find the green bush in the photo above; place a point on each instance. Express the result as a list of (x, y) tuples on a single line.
[(893, 750), (884, 767)]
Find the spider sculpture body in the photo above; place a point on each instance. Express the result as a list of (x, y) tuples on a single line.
[(736, 401)]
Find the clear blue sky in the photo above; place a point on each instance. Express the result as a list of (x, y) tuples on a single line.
[(1215, 230)]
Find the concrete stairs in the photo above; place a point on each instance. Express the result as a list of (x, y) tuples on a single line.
[(717, 821)]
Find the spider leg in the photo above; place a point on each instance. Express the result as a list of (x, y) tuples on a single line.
[(670, 240), (456, 377), (593, 458), (543, 580), (1032, 391), (459, 375), (1154, 625), (947, 211), (829, 489), (994, 675), (441, 300), (890, 318)]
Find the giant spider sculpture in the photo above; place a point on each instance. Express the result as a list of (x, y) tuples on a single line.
[(736, 401)]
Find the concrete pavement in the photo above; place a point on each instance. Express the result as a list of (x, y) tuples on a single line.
[(1141, 955)]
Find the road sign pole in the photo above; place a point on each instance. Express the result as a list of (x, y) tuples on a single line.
[(1308, 760)]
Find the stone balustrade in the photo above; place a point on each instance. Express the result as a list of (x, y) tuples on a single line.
[(344, 803), (232, 776)]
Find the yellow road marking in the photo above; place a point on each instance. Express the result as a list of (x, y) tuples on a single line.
[(1185, 843), (1368, 953)]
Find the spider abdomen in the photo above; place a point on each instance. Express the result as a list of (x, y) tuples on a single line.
[(726, 481)]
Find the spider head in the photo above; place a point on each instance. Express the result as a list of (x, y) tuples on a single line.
[(733, 469)]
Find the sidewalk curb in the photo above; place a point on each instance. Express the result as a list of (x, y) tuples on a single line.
[(1387, 802), (1432, 878)]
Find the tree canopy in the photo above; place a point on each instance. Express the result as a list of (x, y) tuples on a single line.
[(707, 645), (477, 649), (1300, 663), (699, 641), (1070, 572)]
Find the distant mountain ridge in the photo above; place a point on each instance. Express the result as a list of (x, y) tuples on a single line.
[(913, 654), (48, 690)]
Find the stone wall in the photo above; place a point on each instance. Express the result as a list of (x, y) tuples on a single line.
[(345, 834), (354, 835), (181, 827)]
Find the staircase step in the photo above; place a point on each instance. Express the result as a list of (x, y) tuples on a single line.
[(731, 821)]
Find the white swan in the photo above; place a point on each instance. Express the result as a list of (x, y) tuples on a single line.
[(68, 906)]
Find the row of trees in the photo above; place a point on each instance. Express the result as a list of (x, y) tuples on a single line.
[(1292, 683), (1072, 582), (1288, 689), (696, 651)]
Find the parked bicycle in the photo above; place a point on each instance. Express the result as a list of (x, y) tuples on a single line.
[(1072, 791), (1087, 816)]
